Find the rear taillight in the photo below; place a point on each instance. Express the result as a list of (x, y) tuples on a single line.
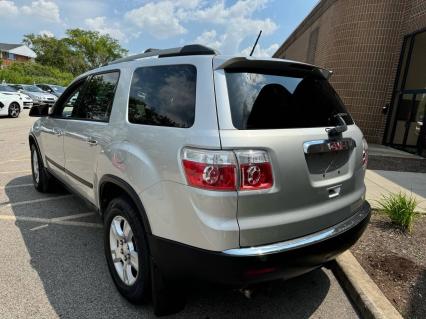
[(364, 153), (214, 170), (226, 170), (255, 170)]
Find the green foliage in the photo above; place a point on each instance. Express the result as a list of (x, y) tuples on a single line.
[(76, 53), (29, 73), (400, 208), (95, 48)]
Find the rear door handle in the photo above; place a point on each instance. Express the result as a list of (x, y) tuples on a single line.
[(92, 142)]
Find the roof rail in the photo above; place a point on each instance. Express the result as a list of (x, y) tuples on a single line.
[(191, 49)]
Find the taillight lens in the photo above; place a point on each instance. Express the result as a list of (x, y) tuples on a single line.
[(255, 170), (215, 170), (219, 170), (364, 153)]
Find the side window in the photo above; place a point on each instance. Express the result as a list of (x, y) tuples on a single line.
[(163, 96), (97, 99), (65, 107)]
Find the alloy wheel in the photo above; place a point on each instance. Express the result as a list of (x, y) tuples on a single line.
[(14, 110), (36, 168), (123, 250)]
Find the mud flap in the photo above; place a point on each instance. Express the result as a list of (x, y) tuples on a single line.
[(167, 297)]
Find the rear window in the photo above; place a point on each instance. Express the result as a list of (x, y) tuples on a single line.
[(270, 101), (163, 96)]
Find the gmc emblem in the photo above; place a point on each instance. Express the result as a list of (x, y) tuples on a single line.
[(337, 146)]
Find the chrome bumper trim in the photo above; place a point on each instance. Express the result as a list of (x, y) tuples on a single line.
[(307, 240)]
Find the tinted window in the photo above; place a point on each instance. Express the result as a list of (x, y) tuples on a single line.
[(71, 99), (7, 88), (163, 96), (97, 98), (265, 101), (31, 88), (57, 88)]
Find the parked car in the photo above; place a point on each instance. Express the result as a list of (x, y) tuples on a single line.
[(10, 104), (27, 102), (236, 170), (38, 96), (56, 90)]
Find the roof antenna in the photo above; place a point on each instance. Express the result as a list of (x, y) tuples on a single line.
[(254, 46)]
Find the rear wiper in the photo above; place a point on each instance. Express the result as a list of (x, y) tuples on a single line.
[(340, 128)]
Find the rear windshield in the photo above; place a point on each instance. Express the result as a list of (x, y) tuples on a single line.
[(270, 101)]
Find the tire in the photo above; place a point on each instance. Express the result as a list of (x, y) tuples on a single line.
[(127, 255), (14, 110), (41, 178)]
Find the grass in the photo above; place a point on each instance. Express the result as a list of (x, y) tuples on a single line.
[(400, 208)]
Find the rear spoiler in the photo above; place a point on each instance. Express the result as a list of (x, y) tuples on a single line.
[(273, 66)]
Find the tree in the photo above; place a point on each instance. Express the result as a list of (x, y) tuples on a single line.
[(56, 53), (96, 49), (76, 53)]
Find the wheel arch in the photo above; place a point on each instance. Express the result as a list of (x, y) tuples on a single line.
[(111, 186), (33, 140), (17, 102)]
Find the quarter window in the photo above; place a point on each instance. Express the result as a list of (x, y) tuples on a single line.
[(163, 96)]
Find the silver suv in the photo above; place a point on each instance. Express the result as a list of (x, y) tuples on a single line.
[(235, 170)]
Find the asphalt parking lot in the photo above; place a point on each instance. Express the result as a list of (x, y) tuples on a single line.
[(52, 263)]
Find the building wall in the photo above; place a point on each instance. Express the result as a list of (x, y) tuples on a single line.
[(18, 58), (360, 40)]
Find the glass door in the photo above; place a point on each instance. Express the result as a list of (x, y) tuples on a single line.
[(407, 131)]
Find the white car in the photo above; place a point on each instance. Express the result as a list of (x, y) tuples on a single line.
[(27, 102), (10, 104)]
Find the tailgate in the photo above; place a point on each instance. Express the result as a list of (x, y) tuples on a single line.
[(318, 179)]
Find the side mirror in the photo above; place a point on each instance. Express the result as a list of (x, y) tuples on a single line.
[(39, 111)]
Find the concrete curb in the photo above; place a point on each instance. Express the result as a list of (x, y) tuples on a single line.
[(368, 298)]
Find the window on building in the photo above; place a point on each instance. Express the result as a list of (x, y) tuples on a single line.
[(163, 96), (10, 56)]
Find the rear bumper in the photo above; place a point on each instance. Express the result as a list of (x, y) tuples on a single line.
[(262, 263)]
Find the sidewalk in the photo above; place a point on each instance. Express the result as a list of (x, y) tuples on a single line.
[(382, 182)]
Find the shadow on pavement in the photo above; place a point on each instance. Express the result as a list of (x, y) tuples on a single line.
[(70, 263)]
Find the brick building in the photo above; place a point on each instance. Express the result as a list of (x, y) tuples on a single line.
[(377, 51), (10, 53)]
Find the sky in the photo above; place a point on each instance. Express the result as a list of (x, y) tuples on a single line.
[(231, 26)]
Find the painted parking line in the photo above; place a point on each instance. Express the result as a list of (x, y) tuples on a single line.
[(48, 221), (15, 172), (73, 216), (15, 160), (8, 204), (15, 186), (39, 227)]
